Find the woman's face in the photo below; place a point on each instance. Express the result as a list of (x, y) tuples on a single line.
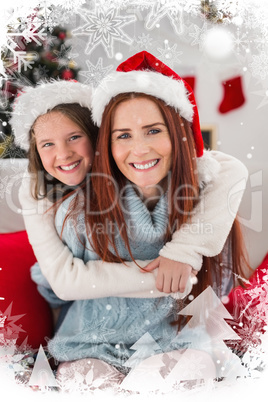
[(141, 145), (65, 150)]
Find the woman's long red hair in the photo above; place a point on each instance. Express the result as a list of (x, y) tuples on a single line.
[(107, 187)]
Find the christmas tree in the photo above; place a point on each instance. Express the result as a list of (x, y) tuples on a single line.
[(145, 347), (206, 331), (147, 376), (143, 376), (34, 52), (42, 375), (197, 353)]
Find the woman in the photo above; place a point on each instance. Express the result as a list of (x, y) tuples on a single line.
[(70, 277), (141, 142)]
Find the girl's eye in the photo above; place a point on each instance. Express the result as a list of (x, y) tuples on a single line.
[(47, 144), (74, 137)]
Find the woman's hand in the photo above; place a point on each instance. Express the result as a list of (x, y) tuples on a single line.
[(172, 275)]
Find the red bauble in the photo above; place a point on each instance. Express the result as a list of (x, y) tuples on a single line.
[(62, 35), (67, 74), (49, 56)]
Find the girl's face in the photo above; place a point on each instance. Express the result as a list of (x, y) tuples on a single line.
[(65, 150), (141, 145)]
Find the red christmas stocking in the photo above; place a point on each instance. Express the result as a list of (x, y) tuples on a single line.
[(233, 95)]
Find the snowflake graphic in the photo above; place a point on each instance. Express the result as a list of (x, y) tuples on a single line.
[(98, 331), (62, 92), (18, 79), (59, 18), (262, 299), (49, 41), (94, 333), (264, 94), (104, 27), (7, 349), (255, 17), (5, 141), (117, 4), (259, 66), (95, 74), (249, 334), (143, 4), (259, 41), (20, 110), (10, 329), (37, 98), (72, 5), (198, 35), (62, 54), (192, 7), (253, 360), (241, 41), (258, 292), (41, 72), (250, 316), (14, 152), (15, 44), (9, 150), (5, 186), (144, 41), (56, 18), (60, 348), (169, 54), (12, 167), (169, 8), (86, 375)]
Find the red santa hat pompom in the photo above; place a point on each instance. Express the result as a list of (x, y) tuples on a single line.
[(144, 73), (33, 102)]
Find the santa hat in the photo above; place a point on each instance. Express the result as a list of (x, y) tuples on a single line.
[(33, 102), (144, 73)]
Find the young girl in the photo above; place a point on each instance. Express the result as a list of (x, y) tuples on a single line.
[(105, 329)]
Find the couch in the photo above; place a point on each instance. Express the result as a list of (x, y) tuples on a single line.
[(25, 317)]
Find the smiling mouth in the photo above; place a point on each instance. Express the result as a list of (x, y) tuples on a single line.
[(146, 165), (69, 167)]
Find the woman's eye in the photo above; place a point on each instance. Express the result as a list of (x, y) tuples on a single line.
[(123, 136), (154, 131)]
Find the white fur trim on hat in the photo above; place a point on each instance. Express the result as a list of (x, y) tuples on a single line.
[(171, 91), (36, 101)]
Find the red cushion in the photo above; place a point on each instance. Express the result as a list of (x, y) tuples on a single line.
[(33, 317)]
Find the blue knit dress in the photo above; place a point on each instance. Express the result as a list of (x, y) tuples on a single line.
[(106, 328)]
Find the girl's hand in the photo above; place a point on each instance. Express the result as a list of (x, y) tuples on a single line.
[(172, 275)]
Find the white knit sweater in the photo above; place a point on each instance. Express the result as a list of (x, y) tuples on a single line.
[(70, 278)]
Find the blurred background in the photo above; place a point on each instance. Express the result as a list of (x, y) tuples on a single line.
[(219, 47)]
